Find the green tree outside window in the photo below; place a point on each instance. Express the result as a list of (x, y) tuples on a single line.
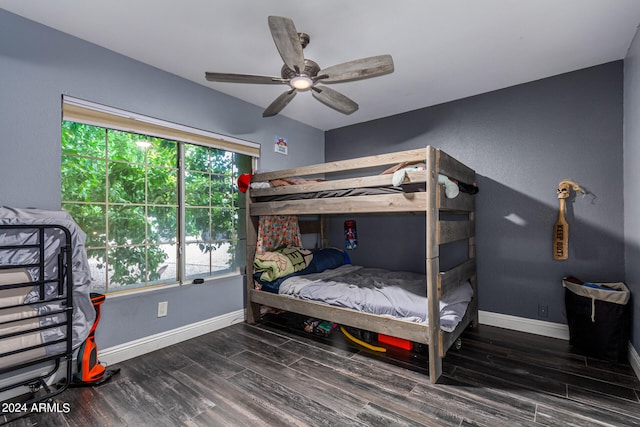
[(123, 190)]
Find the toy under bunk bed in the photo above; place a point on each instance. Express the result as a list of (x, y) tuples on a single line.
[(46, 312), (432, 308)]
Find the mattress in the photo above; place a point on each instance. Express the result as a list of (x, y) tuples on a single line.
[(365, 191), (21, 341), (400, 295), (18, 319)]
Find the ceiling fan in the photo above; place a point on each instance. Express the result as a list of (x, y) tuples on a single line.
[(304, 74)]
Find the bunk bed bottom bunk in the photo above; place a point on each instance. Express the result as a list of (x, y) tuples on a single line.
[(412, 331), (392, 303), (398, 294), (456, 317)]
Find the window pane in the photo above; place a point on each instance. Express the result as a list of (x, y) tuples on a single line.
[(126, 183), (162, 186), (83, 140), (221, 191), (92, 220), (197, 259), (127, 147), (242, 164), (222, 224), (98, 267), (83, 179), (206, 259), (221, 162), (162, 153), (127, 266), (221, 257), (235, 199), (196, 191), (162, 264), (197, 224), (127, 225), (196, 158), (162, 225), (241, 223), (240, 255)]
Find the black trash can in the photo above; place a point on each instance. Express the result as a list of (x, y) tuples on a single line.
[(599, 318)]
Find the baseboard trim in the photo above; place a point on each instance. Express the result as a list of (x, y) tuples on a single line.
[(131, 349), (522, 324)]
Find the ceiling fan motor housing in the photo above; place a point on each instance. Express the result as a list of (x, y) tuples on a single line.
[(311, 69), (304, 39)]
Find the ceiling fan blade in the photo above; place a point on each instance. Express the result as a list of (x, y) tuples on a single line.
[(334, 99), (279, 103), (358, 69), (243, 78), (286, 38)]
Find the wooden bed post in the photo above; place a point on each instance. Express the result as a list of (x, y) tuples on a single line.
[(253, 309), (433, 264), (324, 231), (472, 255)]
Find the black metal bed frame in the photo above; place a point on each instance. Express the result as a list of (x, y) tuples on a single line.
[(37, 383)]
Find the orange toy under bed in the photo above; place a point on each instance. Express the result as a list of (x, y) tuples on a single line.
[(396, 342)]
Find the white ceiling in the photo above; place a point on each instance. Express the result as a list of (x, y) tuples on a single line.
[(442, 50)]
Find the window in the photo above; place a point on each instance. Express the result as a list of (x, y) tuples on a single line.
[(155, 210)]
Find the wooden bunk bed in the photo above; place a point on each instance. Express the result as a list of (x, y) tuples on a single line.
[(431, 201)]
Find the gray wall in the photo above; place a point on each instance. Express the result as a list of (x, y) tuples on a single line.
[(521, 141), (38, 65), (631, 178)]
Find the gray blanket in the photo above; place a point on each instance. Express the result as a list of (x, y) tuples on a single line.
[(373, 290)]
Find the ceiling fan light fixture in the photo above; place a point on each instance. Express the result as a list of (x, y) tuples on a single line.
[(301, 82)]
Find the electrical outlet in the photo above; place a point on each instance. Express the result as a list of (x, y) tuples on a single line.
[(162, 308), (543, 310)]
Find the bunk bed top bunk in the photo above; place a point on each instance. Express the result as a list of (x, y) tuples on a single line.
[(366, 190), (374, 189)]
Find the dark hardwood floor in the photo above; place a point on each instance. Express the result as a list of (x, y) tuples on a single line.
[(274, 374)]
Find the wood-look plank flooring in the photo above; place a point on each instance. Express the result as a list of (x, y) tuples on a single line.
[(275, 374)]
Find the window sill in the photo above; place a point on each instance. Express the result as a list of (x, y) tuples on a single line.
[(211, 280)]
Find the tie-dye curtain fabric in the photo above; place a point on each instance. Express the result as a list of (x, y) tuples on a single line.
[(275, 231)]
